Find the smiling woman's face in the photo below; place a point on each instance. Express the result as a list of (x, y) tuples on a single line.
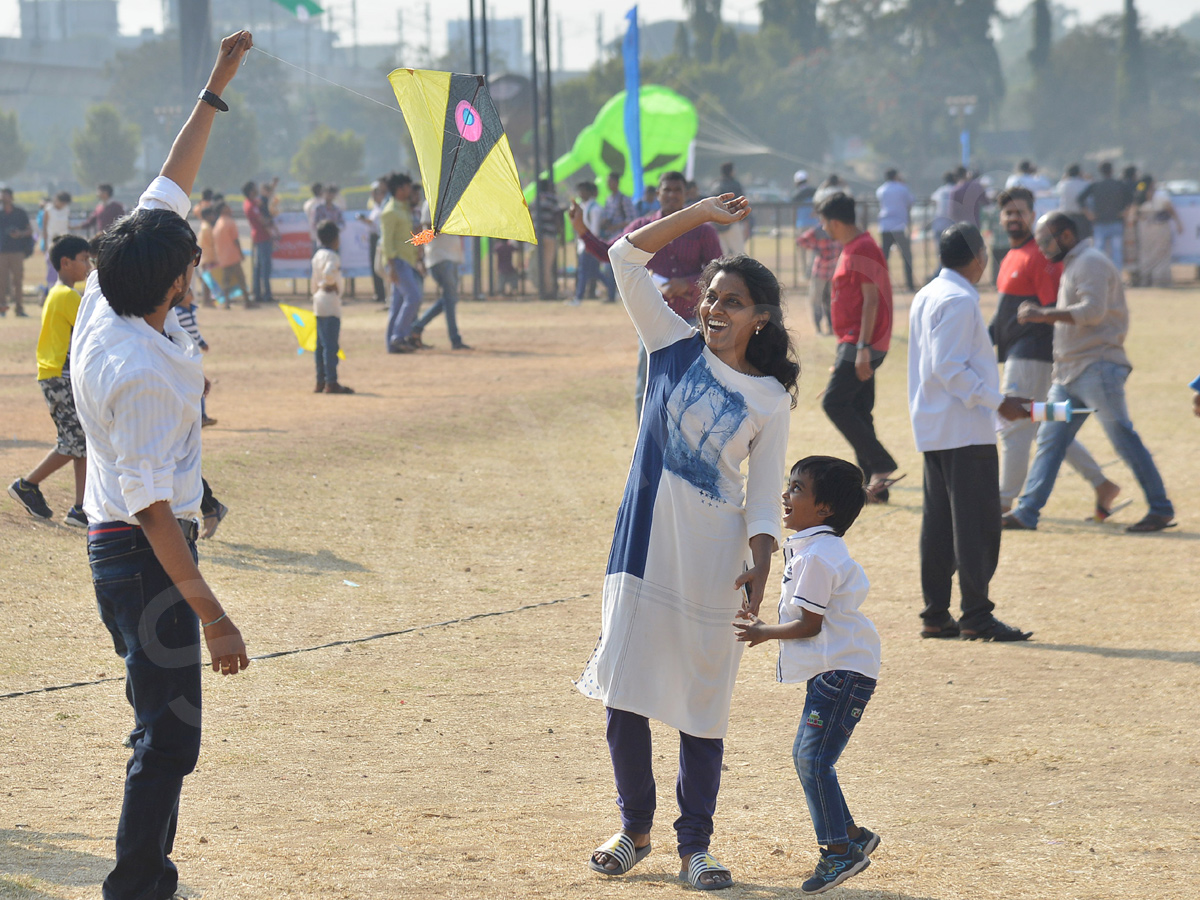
[(728, 317)]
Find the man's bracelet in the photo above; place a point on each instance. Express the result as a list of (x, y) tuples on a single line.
[(862, 345), (214, 621), (213, 100)]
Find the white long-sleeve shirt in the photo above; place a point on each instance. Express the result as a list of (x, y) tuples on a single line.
[(138, 393), (953, 381)]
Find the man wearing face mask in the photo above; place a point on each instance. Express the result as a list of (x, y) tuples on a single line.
[(1027, 350), (1090, 369)]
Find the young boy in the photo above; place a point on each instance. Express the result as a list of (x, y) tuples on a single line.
[(185, 312), (69, 255), (327, 307), (826, 642)]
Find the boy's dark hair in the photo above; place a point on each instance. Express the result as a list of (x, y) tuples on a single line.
[(249, 188), (839, 485), (107, 188), (770, 350), (317, 189), (1008, 195), (961, 245), (839, 207), (64, 196), (140, 256), (66, 246), (327, 233), (397, 180), (206, 194)]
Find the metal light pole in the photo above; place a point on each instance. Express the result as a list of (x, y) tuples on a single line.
[(537, 141), (483, 18)]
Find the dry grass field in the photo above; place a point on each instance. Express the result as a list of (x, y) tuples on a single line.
[(458, 761)]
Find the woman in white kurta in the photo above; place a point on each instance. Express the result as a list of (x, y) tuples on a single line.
[(694, 538), (1155, 217)]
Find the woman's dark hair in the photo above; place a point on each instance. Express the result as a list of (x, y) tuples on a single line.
[(770, 350), (961, 245), (140, 257), (838, 207), (838, 484), (327, 233), (66, 246)]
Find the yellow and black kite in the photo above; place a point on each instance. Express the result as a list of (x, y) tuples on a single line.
[(467, 166)]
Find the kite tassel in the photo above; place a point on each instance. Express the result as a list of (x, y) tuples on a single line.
[(423, 237)]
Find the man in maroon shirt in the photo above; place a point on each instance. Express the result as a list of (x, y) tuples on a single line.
[(862, 320), (106, 212), (261, 240), (676, 267)]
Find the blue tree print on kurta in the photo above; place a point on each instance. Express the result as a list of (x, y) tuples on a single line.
[(702, 415)]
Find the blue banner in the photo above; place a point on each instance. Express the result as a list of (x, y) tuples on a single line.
[(633, 113)]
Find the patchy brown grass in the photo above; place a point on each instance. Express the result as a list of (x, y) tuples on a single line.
[(459, 762)]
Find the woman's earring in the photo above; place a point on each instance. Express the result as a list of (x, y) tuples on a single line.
[(758, 330)]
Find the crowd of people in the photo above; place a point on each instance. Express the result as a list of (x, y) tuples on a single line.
[(709, 491)]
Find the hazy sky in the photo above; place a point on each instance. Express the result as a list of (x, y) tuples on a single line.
[(377, 19)]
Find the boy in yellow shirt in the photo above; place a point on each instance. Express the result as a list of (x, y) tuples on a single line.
[(70, 257)]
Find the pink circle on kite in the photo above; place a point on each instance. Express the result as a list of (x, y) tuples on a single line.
[(466, 119)]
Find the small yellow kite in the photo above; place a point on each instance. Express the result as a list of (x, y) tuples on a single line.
[(467, 166), (304, 324)]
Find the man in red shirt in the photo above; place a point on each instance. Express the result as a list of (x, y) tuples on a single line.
[(261, 241), (106, 212), (1027, 351), (862, 321)]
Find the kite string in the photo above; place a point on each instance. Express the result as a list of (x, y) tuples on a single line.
[(386, 106)]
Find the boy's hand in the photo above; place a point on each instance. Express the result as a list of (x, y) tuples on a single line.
[(749, 628)]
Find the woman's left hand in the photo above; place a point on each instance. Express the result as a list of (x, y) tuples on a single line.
[(756, 580), (725, 209)]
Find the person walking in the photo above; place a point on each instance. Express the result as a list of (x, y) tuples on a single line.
[(953, 395), (402, 262), (895, 220), (1091, 320), (1027, 352), (861, 312), (16, 243)]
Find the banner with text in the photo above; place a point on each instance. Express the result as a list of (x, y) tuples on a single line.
[(292, 257)]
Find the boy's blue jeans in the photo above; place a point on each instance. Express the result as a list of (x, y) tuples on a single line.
[(329, 329), (833, 706), (157, 633)]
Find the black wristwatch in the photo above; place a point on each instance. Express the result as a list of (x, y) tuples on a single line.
[(213, 100)]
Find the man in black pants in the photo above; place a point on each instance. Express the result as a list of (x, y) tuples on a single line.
[(953, 393), (861, 315)]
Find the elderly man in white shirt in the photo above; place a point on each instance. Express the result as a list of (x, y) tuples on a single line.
[(138, 383), (953, 396)]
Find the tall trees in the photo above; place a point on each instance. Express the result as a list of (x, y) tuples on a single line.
[(1133, 94), (797, 19), (13, 151), (704, 18), (106, 147)]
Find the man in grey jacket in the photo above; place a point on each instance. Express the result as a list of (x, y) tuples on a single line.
[(1090, 368)]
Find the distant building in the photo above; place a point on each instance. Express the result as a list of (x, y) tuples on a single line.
[(60, 20)]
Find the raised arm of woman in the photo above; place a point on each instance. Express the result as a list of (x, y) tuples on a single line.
[(723, 210)]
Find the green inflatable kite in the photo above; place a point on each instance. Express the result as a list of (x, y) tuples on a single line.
[(669, 125)]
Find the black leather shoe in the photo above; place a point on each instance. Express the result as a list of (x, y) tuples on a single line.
[(996, 630)]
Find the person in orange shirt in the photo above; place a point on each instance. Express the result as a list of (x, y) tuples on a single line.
[(229, 258)]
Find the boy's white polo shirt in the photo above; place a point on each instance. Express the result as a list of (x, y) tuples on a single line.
[(819, 575)]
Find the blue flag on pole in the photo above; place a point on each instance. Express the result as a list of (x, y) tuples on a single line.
[(633, 114)]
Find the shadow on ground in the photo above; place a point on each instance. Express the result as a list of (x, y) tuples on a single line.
[(248, 556), (26, 854)]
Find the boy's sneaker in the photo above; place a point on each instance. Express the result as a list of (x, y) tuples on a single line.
[(30, 497), (834, 868), (76, 516), (867, 841)]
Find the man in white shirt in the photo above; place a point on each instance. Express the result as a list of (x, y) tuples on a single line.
[(443, 257), (953, 391), (138, 383), (895, 214)]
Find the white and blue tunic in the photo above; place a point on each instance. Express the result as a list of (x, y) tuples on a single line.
[(667, 648)]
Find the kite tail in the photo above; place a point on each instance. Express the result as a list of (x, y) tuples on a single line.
[(423, 237)]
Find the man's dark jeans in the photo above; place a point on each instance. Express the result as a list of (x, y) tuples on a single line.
[(157, 633), (849, 404)]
